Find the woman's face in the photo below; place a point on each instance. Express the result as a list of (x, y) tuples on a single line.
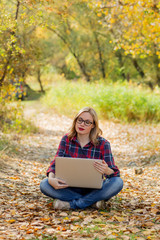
[(84, 123)]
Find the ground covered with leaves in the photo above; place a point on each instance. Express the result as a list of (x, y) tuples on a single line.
[(27, 214)]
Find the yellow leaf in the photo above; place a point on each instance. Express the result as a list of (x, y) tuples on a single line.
[(113, 233), (14, 178), (153, 204), (13, 212), (99, 14), (11, 221), (45, 219), (119, 219)]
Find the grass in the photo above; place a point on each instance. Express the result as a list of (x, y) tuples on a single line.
[(3, 143), (12, 119), (6, 146), (121, 101)]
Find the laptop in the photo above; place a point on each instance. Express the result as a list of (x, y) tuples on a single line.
[(78, 172)]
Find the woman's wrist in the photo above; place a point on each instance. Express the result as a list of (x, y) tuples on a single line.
[(109, 171), (51, 175)]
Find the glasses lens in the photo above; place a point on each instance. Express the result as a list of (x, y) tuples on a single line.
[(87, 123), (80, 120)]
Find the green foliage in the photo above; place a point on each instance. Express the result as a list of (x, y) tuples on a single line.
[(3, 143), (6, 146), (121, 101), (81, 39), (11, 117)]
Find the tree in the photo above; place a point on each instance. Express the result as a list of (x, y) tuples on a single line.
[(136, 30)]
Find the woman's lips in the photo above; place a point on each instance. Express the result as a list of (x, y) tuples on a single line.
[(81, 129)]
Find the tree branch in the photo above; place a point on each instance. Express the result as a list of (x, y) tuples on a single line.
[(10, 51), (80, 63), (17, 10)]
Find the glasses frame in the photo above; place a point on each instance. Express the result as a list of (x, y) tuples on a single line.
[(87, 123)]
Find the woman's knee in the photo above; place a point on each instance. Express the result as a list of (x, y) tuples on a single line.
[(115, 183), (43, 184), (119, 182)]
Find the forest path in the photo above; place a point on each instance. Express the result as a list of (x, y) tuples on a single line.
[(132, 144), (28, 214)]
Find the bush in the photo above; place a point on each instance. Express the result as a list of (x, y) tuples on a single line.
[(121, 101), (11, 117)]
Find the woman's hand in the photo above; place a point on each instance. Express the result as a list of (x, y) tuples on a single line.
[(56, 183), (103, 168)]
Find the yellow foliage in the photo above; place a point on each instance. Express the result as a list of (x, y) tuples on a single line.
[(40, 32), (136, 22), (99, 14)]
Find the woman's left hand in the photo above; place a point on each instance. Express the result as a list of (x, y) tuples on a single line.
[(103, 168)]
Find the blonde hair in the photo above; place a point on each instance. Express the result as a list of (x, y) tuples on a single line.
[(95, 131)]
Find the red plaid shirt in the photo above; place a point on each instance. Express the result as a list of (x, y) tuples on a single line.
[(72, 148)]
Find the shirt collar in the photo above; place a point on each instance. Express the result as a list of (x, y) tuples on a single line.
[(74, 139)]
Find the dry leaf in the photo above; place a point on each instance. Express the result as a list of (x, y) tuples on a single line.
[(119, 219), (63, 214), (27, 214), (87, 220), (13, 212), (11, 221)]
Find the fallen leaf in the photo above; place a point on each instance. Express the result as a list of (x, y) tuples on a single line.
[(63, 214), (119, 219), (155, 210), (87, 220), (111, 236), (148, 224), (13, 212), (11, 221)]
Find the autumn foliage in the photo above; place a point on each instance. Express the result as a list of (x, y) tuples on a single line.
[(90, 39)]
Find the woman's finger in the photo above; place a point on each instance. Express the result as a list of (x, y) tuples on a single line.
[(62, 186), (61, 181), (101, 165), (97, 163), (99, 169)]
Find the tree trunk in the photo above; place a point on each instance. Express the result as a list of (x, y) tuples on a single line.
[(138, 68), (4, 71), (39, 80), (80, 63), (102, 64), (82, 67), (9, 52), (156, 61), (121, 64)]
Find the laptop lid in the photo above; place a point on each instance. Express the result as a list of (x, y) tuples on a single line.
[(78, 172)]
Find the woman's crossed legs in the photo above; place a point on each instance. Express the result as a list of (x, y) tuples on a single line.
[(83, 197)]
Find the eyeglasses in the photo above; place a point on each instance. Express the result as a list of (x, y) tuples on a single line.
[(87, 123)]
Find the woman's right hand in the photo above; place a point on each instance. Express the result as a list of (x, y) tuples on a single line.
[(56, 183)]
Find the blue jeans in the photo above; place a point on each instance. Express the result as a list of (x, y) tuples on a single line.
[(83, 197)]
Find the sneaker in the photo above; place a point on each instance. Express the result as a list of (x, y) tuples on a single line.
[(99, 205), (58, 204)]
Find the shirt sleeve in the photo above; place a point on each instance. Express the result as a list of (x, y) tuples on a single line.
[(60, 153), (109, 159)]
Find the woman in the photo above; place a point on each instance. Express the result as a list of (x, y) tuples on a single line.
[(83, 141)]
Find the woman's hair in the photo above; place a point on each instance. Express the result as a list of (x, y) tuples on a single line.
[(95, 131)]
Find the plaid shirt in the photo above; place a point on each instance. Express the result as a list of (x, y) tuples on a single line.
[(72, 148)]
